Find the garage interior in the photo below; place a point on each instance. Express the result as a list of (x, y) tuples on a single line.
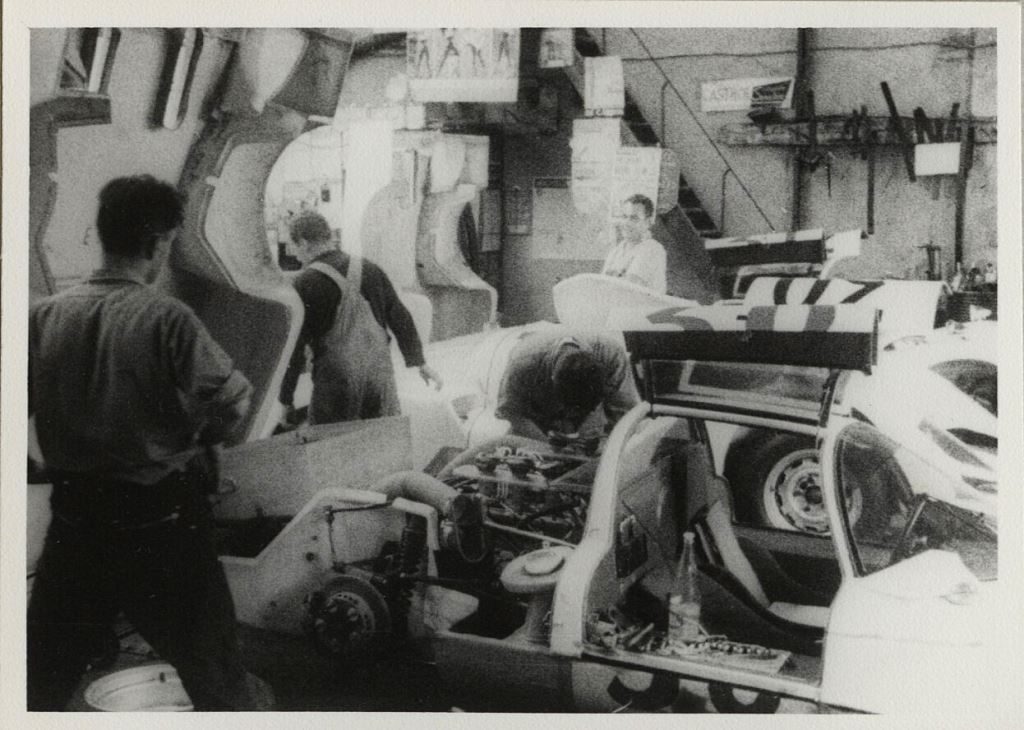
[(865, 154)]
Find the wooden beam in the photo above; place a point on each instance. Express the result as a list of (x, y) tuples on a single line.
[(833, 131)]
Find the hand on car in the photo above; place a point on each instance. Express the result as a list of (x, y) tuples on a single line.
[(430, 375)]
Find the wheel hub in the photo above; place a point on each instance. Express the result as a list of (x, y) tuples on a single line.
[(348, 619), (794, 488), (795, 499)]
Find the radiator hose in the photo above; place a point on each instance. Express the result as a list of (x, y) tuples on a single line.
[(417, 487)]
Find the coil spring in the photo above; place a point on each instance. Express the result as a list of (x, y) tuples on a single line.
[(410, 557)]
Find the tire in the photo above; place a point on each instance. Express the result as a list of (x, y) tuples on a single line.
[(776, 481), (725, 700)]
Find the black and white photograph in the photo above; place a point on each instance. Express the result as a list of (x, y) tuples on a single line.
[(602, 358)]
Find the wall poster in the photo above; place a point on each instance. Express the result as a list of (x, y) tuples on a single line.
[(463, 64)]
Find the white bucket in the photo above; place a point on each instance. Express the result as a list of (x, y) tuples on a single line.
[(150, 688)]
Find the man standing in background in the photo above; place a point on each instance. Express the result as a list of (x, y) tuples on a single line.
[(636, 256), (352, 372)]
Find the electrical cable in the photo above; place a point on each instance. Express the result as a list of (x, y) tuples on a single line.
[(700, 126), (816, 49)]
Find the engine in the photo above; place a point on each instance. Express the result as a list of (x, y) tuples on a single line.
[(525, 497), (501, 502)]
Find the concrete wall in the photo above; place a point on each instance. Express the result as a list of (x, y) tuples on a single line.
[(930, 68), (924, 67), (528, 279), (89, 156)]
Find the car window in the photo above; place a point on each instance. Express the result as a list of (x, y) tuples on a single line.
[(891, 510), (977, 378), (787, 385)]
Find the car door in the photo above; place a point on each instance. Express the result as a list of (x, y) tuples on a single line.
[(627, 525), (914, 624)]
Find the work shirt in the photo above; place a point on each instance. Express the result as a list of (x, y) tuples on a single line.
[(123, 378), (645, 260), (527, 388)]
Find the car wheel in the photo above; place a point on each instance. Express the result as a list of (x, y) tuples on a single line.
[(776, 481)]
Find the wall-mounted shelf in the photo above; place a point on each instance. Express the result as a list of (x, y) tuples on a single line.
[(834, 130)]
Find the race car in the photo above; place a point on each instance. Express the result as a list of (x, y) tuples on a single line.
[(942, 374), (539, 574), (938, 390)]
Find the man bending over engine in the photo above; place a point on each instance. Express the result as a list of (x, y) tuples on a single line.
[(556, 379)]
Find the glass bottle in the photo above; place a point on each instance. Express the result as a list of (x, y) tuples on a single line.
[(957, 282), (684, 600)]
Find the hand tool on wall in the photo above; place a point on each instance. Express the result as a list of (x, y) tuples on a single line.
[(923, 127), (897, 126), (925, 135), (966, 161), (869, 151), (934, 265), (857, 128), (811, 156)]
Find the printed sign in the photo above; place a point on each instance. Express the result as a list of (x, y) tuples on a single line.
[(463, 64), (604, 91), (743, 94), (594, 145), (668, 182), (637, 170), (556, 48)]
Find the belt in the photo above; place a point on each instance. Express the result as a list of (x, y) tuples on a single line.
[(90, 501), (114, 524)]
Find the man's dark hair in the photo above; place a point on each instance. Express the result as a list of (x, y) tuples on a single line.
[(134, 212), (577, 380), (310, 226), (643, 201)]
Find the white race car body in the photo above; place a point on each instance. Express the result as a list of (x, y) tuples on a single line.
[(541, 575)]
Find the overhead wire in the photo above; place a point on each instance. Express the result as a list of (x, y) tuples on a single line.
[(816, 49), (700, 126)]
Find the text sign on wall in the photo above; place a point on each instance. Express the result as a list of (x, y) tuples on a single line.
[(637, 170), (742, 94), (604, 90), (463, 64), (556, 48), (595, 143)]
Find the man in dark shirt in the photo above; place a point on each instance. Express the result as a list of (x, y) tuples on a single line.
[(128, 390), (322, 297), (556, 379)]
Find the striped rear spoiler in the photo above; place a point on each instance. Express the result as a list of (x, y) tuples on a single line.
[(827, 336), (770, 248), (906, 307)]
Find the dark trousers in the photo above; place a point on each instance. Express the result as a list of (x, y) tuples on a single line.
[(161, 570)]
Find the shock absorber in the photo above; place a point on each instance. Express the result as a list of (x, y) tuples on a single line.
[(410, 559)]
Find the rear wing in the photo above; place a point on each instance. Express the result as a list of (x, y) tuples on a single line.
[(906, 307), (798, 253), (834, 337), (770, 248)]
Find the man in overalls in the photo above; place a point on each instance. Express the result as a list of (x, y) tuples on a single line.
[(353, 377)]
